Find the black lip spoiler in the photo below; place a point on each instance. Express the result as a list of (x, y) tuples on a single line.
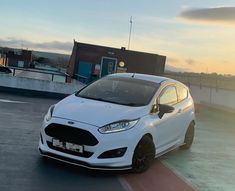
[(80, 163)]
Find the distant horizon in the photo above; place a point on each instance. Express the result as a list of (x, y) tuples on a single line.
[(168, 67), (34, 50)]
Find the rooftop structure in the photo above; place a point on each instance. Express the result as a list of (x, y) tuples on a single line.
[(89, 62)]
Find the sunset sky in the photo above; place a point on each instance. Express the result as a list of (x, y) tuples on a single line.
[(196, 36)]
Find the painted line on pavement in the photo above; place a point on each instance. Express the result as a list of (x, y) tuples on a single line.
[(125, 184), (180, 175), (158, 177), (11, 101)]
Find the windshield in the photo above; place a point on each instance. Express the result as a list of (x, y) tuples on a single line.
[(124, 91)]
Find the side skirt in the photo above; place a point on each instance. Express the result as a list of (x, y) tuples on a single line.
[(168, 150)]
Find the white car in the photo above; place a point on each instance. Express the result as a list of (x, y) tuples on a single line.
[(121, 121)]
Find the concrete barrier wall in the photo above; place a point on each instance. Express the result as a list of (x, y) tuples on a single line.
[(38, 85), (213, 96)]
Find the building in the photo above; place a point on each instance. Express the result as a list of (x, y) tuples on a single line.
[(3, 59), (18, 59), (89, 62)]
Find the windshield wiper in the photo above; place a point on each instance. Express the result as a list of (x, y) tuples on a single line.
[(109, 101), (98, 99), (132, 104)]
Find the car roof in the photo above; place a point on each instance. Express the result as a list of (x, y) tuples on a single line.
[(147, 77)]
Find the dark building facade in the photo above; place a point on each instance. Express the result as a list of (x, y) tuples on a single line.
[(3, 60), (89, 62), (22, 59)]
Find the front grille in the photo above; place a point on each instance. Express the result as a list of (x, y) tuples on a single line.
[(71, 134), (85, 154)]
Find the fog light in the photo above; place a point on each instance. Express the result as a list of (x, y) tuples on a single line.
[(113, 153)]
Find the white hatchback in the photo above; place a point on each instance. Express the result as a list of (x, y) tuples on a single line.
[(121, 121)]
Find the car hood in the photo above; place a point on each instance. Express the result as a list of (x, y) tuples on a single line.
[(97, 113)]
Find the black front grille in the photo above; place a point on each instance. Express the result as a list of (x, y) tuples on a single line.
[(85, 154), (71, 134)]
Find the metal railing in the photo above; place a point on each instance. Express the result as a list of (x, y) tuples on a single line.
[(40, 71), (86, 80), (204, 80)]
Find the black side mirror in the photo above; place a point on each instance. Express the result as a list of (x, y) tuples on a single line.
[(165, 109)]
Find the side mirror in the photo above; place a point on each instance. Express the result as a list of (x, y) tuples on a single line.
[(165, 109)]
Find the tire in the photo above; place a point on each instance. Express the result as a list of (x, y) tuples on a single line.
[(189, 136), (144, 155)]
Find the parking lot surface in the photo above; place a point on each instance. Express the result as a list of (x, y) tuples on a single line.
[(208, 165), (21, 167)]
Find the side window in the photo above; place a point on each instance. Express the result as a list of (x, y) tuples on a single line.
[(182, 93), (169, 96)]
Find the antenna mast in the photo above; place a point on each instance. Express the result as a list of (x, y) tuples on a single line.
[(129, 41)]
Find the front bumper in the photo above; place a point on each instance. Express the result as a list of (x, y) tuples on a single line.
[(106, 142), (80, 163)]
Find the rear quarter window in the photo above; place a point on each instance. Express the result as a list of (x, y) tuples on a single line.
[(182, 93)]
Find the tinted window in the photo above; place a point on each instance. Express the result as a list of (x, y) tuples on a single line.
[(2, 69), (182, 93), (169, 96), (5, 69), (125, 91)]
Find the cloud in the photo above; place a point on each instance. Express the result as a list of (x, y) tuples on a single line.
[(190, 61), (173, 65), (172, 60), (212, 15), (170, 68), (47, 46)]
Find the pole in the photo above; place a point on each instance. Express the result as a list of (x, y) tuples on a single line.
[(129, 41)]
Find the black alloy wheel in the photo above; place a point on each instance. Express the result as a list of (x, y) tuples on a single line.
[(189, 136), (144, 155)]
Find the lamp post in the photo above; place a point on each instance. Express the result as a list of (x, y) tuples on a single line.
[(129, 41)]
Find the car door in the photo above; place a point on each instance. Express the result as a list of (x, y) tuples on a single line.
[(168, 126)]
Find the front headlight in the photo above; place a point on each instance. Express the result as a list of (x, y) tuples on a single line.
[(49, 113), (118, 126)]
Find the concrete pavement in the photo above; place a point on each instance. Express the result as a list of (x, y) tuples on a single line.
[(21, 167), (208, 165)]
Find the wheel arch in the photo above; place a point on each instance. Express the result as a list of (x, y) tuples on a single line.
[(192, 122), (148, 135)]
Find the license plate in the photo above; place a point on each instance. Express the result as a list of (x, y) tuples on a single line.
[(67, 145)]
